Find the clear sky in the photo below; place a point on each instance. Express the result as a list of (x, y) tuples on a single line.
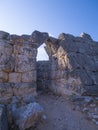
[(53, 16)]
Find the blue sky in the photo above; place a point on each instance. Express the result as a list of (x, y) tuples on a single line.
[(53, 16)]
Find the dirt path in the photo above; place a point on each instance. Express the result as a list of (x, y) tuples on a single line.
[(61, 116)]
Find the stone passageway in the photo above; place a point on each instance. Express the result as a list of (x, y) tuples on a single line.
[(61, 115), (72, 69)]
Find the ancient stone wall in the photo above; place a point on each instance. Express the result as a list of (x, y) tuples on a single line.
[(18, 78), (72, 69), (18, 64), (43, 75), (17, 67), (74, 64)]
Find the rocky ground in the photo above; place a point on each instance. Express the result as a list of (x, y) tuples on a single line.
[(61, 114)]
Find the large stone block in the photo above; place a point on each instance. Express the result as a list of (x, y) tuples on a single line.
[(24, 64), (3, 76), (26, 116), (29, 76), (9, 64), (4, 35), (6, 92), (6, 58), (23, 89), (3, 118), (39, 37), (65, 87), (59, 74), (14, 77), (25, 49), (5, 48)]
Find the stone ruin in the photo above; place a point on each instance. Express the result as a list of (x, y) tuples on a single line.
[(72, 69)]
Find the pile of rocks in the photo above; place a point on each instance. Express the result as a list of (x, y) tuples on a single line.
[(87, 105)]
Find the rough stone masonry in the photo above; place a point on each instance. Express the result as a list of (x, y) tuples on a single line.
[(18, 76), (73, 68), (74, 64)]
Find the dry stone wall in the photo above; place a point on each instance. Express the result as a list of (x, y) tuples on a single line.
[(74, 64), (43, 75), (72, 69), (18, 78), (18, 64), (17, 67)]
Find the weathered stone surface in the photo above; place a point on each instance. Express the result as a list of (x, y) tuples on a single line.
[(29, 76), (9, 64), (25, 49), (4, 35), (3, 118), (6, 90), (14, 77), (20, 90), (64, 36), (39, 38), (86, 36), (6, 58), (26, 116), (28, 99), (74, 64), (43, 75), (3, 77), (72, 69), (23, 89), (5, 48), (24, 64), (87, 99)]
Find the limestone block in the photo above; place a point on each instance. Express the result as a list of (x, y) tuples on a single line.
[(39, 37), (3, 76), (84, 61), (3, 59), (29, 76), (14, 77), (69, 46), (58, 74), (9, 64), (6, 92), (4, 35), (85, 78), (6, 58), (5, 48), (59, 87), (86, 36), (25, 49), (26, 116), (63, 36), (23, 89), (24, 64)]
